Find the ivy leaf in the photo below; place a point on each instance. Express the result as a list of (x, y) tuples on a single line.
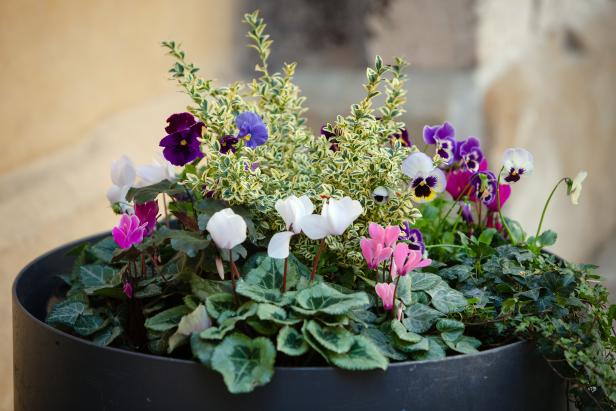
[(167, 319), (420, 318), (446, 299), (88, 323), (66, 312), (335, 339), (457, 272), (401, 332), (323, 298), (148, 193), (291, 342), (96, 277), (423, 281), (244, 363), (363, 355), (107, 335), (104, 249)]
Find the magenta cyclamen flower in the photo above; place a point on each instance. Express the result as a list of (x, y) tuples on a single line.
[(374, 252), (458, 179), (129, 231), (385, 291), (181, 145), (148, 214), (127, 289), (407, 260), (443, 136), (252, 129)]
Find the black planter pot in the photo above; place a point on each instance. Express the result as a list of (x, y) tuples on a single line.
[(56, 371)]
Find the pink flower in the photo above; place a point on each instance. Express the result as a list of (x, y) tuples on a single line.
[(385, 292), (148, 214), (128, 232), (374, 252), (127, 289), (504, 191), (386, 236), (407, 260), (459, 179)]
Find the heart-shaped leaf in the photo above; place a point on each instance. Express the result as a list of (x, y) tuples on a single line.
[(323, 298), (291, 342), (363, 355), (335, 339)]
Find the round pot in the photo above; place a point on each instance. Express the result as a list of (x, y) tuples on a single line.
[(56, 371)]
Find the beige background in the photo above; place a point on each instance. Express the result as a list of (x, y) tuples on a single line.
[(85, 81)]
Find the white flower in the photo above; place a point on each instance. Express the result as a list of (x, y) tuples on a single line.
[(195, 322), (336, 216), (227, 229), (575, 188), (292, 210), (516, 163), (123, 175), (426, 180), (159, 170)]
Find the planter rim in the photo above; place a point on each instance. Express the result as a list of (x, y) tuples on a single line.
[(63, 334)]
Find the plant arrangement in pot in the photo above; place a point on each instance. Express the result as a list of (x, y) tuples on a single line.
[(253, 244)]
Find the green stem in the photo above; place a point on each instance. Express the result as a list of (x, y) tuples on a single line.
[(545, 207), (455, 202), (284, 275), (445, 245), (498, 204)]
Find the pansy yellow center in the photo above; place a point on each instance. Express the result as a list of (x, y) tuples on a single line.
[(247, 137), (183, 142)]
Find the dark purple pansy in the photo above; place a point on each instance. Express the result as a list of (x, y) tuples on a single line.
[(469, 152), (228, 143), (403, 137), (423, 187), (251, 129), (181, 145), (412, 236), (330, 137), (148, 214), (484, 187), (443, 136)]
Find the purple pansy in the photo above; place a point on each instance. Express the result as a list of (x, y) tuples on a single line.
[(129, 231), (412, 236), (443, 136), (465, 212), (484, 187), (403, 137), (469, 152), (147, 214), (330, 137), (252, 129), (228, 143), (181, 145)]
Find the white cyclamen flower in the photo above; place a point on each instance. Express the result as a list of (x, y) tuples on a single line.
[(195, 322), (292, 210), (336, 216), (159, 170), (516, 163), (227, 229), (575, 188), (123, 175), (426, 180)]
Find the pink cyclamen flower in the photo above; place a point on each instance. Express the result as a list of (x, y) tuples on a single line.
[(386, 236), (128, 232), (407, 260), (458, 180), (127, 289), (385, 292), (374, 252), (148, 214)]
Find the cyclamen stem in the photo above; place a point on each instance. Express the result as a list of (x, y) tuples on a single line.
[(395, 292), (284, 275), (317, 257), (233, 274), (498, 204), (545, 207), (165, 210)]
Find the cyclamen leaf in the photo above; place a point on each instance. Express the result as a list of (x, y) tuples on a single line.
[(451, 330), (434, 352), (202, 350), (204, 288), (325, 299), (219, 303), (420, 318), (363, 355), (104, 249), (291, 342), (269, 272), (186, 242), (335, 339), (383, 342), (270, 312), (167, 319), (404, 292), (446, 299), (401, 332), (464, 345), (258, 293), (244, 363), (148, 193), (96, 277)]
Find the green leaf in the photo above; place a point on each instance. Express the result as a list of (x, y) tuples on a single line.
[(335, 339), (464, 345), (270, 312), (423, 281), (383, 342), (312, 342), (167, 319), (66, 312), (89, 323), (244, 363), (413, 348), (435, 351), (96, 277), (185, 241), (420, 318), (202, 350), (457, 272), (228, 319), (107, 335), (446, 299), (204, 288), (546, 239), (269, 272), (104, 249), (363, 355), (323, 298), (451, 330), (150, 290), (291, 342), (404, 292), (401, 332), (148, 193), (216, 304), (486, 236), (258, 293)]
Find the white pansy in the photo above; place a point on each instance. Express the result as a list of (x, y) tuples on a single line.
[(227, 229), (195, 322), (516, 163), (153, 173), (335, 218), (426, 180), (575, 189)]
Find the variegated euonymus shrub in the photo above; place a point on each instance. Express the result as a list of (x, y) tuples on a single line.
[(252, 242)]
